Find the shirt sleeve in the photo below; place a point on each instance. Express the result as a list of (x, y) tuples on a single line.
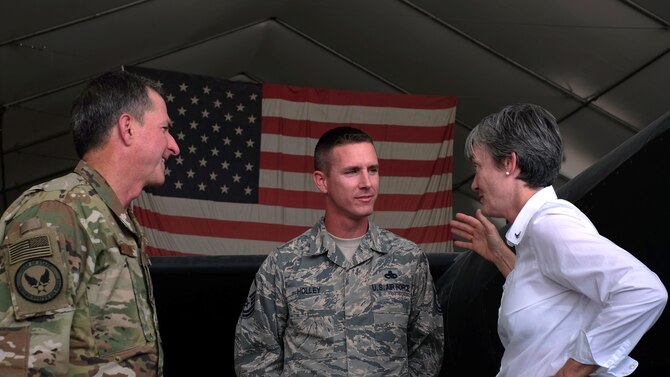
[(425, 333), (258, 337), (630, 295), (42, 262)]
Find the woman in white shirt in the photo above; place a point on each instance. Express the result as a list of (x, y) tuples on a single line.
[(574, 303)]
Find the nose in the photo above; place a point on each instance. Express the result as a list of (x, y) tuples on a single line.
[(172, 146), (474, 186), (365, 181)]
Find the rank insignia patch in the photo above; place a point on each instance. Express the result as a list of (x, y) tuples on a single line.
[(250, 303), (38, 281)]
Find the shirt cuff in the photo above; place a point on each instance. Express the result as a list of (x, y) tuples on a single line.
[(618, 364)]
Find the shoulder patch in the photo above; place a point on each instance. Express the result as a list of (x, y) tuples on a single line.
[(30, 248), (38, 281), (37, 274)]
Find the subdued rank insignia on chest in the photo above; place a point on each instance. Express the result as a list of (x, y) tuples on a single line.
[(38, 281), (391, 275), (250, 303)]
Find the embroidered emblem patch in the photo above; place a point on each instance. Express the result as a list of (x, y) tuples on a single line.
[(391, 275), (38, 281)]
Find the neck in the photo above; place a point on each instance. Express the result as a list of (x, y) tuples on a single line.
[(346, 228), (116, 175), (522, 197)]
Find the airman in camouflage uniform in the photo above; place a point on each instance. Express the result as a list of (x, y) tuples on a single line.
[(314, 310), (75, 291)]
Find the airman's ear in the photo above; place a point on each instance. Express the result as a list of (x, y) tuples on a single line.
[(321, 181)]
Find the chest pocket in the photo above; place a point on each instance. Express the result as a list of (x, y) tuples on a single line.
[(116, 322), (391, 305), (313, 331)]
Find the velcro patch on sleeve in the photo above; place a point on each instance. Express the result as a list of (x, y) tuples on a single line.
[(31, 248), (37, 275)]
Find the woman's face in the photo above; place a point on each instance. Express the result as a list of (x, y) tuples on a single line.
[(489, 183)]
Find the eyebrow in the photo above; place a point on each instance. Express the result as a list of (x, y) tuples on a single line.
[(356, 167)]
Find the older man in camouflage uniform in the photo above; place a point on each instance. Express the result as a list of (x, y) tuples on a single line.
[(346, 298), (75, 292)]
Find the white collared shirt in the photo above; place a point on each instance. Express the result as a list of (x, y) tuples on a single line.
[(572, 294)]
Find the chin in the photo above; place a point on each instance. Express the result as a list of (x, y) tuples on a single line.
[(155, 183), (366, 213)]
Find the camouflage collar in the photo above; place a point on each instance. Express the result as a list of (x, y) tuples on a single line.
[(322, 242), (102, 188)]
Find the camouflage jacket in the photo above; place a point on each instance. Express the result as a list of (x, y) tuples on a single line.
[(311, 312), (75, 291)]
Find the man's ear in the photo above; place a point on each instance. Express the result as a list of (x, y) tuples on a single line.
[(321, 181), (124, 126)]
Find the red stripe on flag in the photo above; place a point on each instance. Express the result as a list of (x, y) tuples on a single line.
[(195, 226), (266, 232), (388, 168), (428, 234), (385, 202), (155, 251), (378, 132), (349, 98)]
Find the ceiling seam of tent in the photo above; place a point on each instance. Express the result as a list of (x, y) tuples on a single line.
[(665, 23), (342, 57), (73, 22), (596, 96), (137, 62), (520, 66)]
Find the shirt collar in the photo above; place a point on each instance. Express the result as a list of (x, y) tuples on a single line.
[(105, 192), (323, 242), (516, 232), (100, 186)]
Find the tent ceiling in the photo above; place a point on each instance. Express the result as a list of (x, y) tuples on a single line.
[(601, 66)]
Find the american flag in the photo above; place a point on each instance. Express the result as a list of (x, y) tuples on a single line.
[(242, 183)]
